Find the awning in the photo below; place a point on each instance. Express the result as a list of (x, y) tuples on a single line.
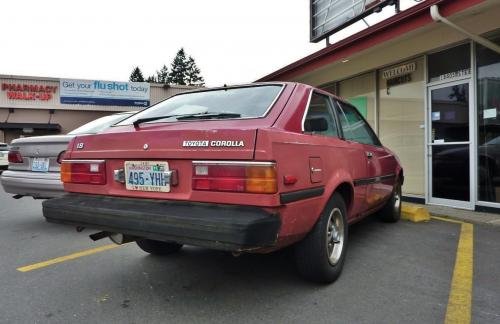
[(41, 126)]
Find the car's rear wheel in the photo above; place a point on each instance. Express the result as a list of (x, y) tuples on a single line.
[(320, 256), (391, 212), (158, 247)]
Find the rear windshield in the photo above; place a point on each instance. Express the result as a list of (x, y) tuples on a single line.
[(243, 102), (99, 124)]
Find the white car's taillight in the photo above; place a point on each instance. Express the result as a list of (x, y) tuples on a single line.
[(15, 157)]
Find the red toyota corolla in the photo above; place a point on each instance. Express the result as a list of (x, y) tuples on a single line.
[(250, 168)]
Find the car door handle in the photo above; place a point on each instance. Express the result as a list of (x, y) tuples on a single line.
[(369, 155), (315, 170)]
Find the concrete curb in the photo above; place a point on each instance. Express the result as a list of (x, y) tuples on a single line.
[(414, 213), (419, 213), (493, 221)]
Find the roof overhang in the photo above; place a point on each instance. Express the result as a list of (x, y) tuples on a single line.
[(40, 126), (395, 27)]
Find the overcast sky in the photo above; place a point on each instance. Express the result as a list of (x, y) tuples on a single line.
[(232, 41)]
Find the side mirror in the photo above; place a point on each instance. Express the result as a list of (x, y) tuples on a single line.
[(317, 124)]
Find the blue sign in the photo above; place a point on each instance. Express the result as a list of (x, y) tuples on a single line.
[(108, 93)]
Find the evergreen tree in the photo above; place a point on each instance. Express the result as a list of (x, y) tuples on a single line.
[(151, 79), (178, 69), (136, 75), (162, 75), (193, 77)]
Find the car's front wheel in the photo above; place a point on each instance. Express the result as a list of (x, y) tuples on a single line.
[(158, 247), (320, 256)]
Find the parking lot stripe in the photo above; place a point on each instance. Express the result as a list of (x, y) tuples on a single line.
[(444, 219), (67, 258), (460, 298)]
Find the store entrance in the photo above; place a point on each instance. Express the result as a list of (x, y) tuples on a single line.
[(449, 144)]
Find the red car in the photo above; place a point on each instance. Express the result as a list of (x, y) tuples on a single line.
[(251, 168)]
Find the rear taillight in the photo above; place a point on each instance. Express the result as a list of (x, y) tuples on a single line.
[(15, 157), (253, 177), (83, 171)]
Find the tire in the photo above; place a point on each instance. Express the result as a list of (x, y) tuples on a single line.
[(317, 258), (158, 247), (391, 212)]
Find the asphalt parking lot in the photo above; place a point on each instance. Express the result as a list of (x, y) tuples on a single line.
[(394, 273)]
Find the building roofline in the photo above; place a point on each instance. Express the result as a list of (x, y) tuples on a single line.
[(27, 77), (37, 78), (390, 28)]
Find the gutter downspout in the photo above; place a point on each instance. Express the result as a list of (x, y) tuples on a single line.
[(436, 16)]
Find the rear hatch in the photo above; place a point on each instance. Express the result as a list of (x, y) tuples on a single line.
[(172, 146), (39, 153), (205, 140)]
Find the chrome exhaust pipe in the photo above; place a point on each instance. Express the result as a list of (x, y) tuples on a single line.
[(120, 239), (117, 238)]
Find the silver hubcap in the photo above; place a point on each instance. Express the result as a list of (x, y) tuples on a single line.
[(335, 236), (397, 201)]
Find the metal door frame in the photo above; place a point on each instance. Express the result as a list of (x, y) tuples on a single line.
[(472, 139)]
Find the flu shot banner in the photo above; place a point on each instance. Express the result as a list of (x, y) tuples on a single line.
[(109, 93)]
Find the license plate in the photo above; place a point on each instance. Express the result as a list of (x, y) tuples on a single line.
[(147, 176), (40, 165)]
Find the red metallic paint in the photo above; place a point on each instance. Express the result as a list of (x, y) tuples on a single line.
[(277, 137)]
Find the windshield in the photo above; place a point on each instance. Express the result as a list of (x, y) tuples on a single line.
[(99, 124), (245, 102)]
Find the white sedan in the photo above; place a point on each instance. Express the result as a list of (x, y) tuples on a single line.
[(4, 153)]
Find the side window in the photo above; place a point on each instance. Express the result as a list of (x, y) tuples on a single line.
[(320, 107), (355, 128)]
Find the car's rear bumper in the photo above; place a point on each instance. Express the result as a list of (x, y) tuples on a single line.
[(35, 184), (223, 227)]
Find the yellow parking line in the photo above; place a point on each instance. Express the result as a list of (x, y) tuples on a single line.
[(449, 220), (67, 258), (460, 298)]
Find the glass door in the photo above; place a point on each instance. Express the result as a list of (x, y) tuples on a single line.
[(449, 145)]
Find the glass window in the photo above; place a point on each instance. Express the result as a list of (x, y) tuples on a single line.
[(450, 113), (488, 106), (450, 172), (354, 127), (360, 92), (448, 64), (401, 123), (319, 107), (243, 102)]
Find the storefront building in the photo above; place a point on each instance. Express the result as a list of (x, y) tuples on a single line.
[(430, 91), (32, 106)]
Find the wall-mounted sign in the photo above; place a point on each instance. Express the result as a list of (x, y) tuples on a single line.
[(330, 16), (20, 91), (456, 74), (398, 75), (399, 70), (399, 80), (109, 93)]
